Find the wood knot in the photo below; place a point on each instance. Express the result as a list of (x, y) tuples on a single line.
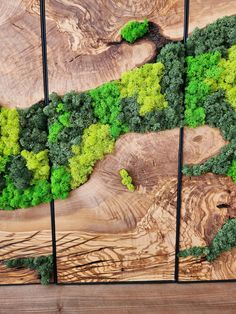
[(223, 206)]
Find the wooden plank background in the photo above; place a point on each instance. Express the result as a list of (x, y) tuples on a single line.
[(212, 298)]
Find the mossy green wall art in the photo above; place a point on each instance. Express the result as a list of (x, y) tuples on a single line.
[(54, 152)]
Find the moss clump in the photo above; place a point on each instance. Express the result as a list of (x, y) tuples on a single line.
[(43, 265), (224, 241), (126, 180), (96, 142), (33, 128), (68, 117), (9, 132), (107, 108), (217, 36), (227, 81), (145, 83), (200, 69), (60, 182), (19, 173), (13, 198), (172, 56), (37, 163), (232, 171), (134, 30)]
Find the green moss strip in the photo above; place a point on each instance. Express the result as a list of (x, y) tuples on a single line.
[(43, 265), (224, 241)]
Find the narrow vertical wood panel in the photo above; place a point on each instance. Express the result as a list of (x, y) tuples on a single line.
[(23, 232), (208, 200), (104, 232)]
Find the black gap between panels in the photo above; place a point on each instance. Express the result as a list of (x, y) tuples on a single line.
[(180, 153), (46, 101)]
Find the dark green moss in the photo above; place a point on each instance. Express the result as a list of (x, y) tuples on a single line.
[(217, 36), (33, 128), (224, 241), (19, 173), (79, 114), (220, 114), (43, 265), (173, 57)]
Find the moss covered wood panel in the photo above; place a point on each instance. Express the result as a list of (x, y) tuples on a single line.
[(24, 168), (116, 147), (209, 191)]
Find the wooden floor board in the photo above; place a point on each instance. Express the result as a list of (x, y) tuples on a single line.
[(212, 298)]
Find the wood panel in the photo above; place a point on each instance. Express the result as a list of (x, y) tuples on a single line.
[(105, 233), (211, 298), (21, 81), (203, 198), (18, 245), (116, 235), (21, 84), (202, 216), (84, 43), (207, 202), (204, 12), (24, 233), (84, 48)]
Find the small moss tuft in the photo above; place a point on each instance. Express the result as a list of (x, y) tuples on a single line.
[(133, 30)]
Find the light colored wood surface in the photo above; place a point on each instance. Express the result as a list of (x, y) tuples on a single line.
[(108, 232), (21, 245), (214, 298), (200, 222), (21, 81), (84, 48), (104, 232), (204, 12), (147, 156)]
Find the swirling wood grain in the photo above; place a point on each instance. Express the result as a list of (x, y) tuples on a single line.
[(207, 202), (104, 232), (84, 48)]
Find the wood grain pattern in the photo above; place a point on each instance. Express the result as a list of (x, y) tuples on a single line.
[(110, 234), (18, 245), (144, 253), (21, 81), (116, 235), (204, 12), (201, 143), (104, 232), (84, 48), (201, 219), (199, 298)]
